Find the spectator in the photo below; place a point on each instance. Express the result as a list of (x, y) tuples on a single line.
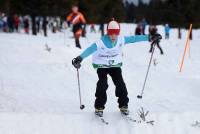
[(92, 28), (167, 29), (5, 24), (17, 22), (44, 25), (138, 30), (26, 24), (10, 22), (38, 22), (143, 24)]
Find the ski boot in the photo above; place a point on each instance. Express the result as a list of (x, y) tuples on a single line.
[(77, 43), (99, 112), (124, 110)]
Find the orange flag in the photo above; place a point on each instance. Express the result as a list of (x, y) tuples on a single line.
[(186, 46)]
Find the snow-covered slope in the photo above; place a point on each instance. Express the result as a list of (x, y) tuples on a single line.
[(39, 92)]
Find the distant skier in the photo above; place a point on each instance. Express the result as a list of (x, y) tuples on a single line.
[(167, 29), (78, 21), (153, 31), (107, 59)]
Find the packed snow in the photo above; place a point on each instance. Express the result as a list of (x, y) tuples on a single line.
[(39, 91)]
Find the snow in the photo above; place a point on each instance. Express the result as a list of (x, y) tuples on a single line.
[(39, 93)]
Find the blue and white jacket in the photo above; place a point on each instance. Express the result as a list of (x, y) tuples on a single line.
[(108, 54)]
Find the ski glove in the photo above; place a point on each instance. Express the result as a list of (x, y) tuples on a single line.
[(155, 37), (76, 62)]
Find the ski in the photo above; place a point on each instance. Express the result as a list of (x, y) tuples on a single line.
[(102, 120), (128, 118)]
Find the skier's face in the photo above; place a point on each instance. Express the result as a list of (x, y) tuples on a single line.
[(74, 9), (113, 37)]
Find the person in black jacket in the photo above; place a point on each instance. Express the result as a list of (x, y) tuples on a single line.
[(152, 31), (44, 25)]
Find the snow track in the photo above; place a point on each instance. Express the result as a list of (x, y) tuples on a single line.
[(39, 92)]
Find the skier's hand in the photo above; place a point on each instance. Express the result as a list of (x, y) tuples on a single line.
[(76, 62), (155, 38)]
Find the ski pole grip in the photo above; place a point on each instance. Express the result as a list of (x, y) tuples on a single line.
[(73, 61)]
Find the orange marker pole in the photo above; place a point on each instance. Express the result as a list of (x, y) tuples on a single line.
[(186, 45), (189, 49)]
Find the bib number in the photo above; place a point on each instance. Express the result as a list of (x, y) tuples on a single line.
[(110, 62)]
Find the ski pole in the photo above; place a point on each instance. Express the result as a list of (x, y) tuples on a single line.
[(79, 88), (153, 43)]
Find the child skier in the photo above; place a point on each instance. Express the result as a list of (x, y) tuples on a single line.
[(107, 59)]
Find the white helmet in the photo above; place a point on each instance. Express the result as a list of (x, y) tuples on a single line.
[(113, 28)]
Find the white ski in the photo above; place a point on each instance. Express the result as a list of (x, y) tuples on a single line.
[(128, 118), (102, 120)]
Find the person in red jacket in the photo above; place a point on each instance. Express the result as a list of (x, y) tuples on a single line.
[(78, 22), (26, 24), (17, 21)]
